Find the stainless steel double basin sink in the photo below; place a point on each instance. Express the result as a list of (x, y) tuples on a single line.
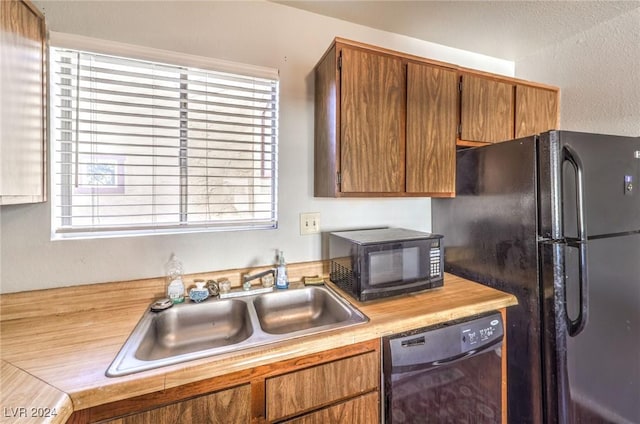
[(190, 331)]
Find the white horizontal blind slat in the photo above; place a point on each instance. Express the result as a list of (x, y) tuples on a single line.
[(147, 146)]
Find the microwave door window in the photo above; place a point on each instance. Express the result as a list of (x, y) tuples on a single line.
[(394, 265), (384, 267)]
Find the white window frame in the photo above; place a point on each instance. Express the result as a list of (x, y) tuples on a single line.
[(80, 43)]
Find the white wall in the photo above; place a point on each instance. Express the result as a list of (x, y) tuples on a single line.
[(258, 33), (598, 72)]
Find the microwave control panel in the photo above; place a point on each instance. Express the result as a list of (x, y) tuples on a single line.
[(435, 261)]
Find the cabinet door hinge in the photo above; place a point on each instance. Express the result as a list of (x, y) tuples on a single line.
[(340, 62), (459, 130), (339, 179), (460, 86)]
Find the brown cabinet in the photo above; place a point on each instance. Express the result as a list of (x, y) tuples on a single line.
[(372, 130), (340, 383), (492, 111), (536, 110), (226, 406), (363, 409), (384, 126), (22, 104), (432, 113), (387, 123), (316, 387), (486, 109)]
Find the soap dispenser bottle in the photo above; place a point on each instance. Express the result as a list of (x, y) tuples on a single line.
[(282, 281), (175, 287)]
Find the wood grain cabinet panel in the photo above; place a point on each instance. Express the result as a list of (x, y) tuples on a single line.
[(536, 110), (486, 109), (326, 126), (368, 115), (373, 98), (272, 392), (294, 393), (22, 103), (387, 123), (226, 406), (432, 103), (361, 410)]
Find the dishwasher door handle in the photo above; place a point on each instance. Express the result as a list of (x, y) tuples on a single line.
[(416, 341)]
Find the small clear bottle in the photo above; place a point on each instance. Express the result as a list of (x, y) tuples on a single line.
[(282, 280), (175, 285)]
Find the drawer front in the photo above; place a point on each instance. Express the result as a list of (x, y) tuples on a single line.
[(225, 406), (364, 409), (319, 386)]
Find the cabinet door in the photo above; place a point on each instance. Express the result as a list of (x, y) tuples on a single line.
[(432, 102), (536, 110), (22, 48), (361, 410), (226, 406), (373, 99), (486, 110), (315, 387)]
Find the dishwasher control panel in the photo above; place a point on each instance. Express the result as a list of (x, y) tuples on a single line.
[(479, 332)]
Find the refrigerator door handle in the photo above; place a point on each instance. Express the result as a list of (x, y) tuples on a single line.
[(575, 326)]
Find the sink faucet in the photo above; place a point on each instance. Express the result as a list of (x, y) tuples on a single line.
[(246, 280), (246, 286)]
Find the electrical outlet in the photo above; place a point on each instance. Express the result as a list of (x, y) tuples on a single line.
[(309, 223)]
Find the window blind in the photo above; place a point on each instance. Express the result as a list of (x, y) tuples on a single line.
[(143, 146)]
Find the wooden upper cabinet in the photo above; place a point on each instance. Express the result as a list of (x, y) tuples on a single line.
[(22, 104), (373, 99), (326, 126), (486, 109), (384, 124), (432, 104), (536, 110), (387, 123)]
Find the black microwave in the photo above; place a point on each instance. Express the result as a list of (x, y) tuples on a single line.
[(383, 262)]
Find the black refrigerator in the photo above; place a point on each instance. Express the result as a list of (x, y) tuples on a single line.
[(555, 220)]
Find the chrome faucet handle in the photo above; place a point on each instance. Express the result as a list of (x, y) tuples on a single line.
[(213, 287)]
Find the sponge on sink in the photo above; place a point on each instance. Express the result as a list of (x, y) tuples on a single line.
[(313, 281)]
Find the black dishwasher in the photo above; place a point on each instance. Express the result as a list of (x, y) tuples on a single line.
[(449, 373)]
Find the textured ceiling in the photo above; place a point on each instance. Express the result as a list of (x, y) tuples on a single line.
[(504, 29)]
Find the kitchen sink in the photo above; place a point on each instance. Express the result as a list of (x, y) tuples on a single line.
[(300, 310), (189, 331), (194, 327)]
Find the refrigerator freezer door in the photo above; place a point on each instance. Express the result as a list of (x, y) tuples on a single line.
[(490, 237), (611, 172)]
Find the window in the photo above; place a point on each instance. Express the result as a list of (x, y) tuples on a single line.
[(141, 146)]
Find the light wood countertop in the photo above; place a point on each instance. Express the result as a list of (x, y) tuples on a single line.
[(63, 351)]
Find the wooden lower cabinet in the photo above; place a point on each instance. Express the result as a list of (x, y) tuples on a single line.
[(226, 406), (337, 385), (363, 409), (322, 385)]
